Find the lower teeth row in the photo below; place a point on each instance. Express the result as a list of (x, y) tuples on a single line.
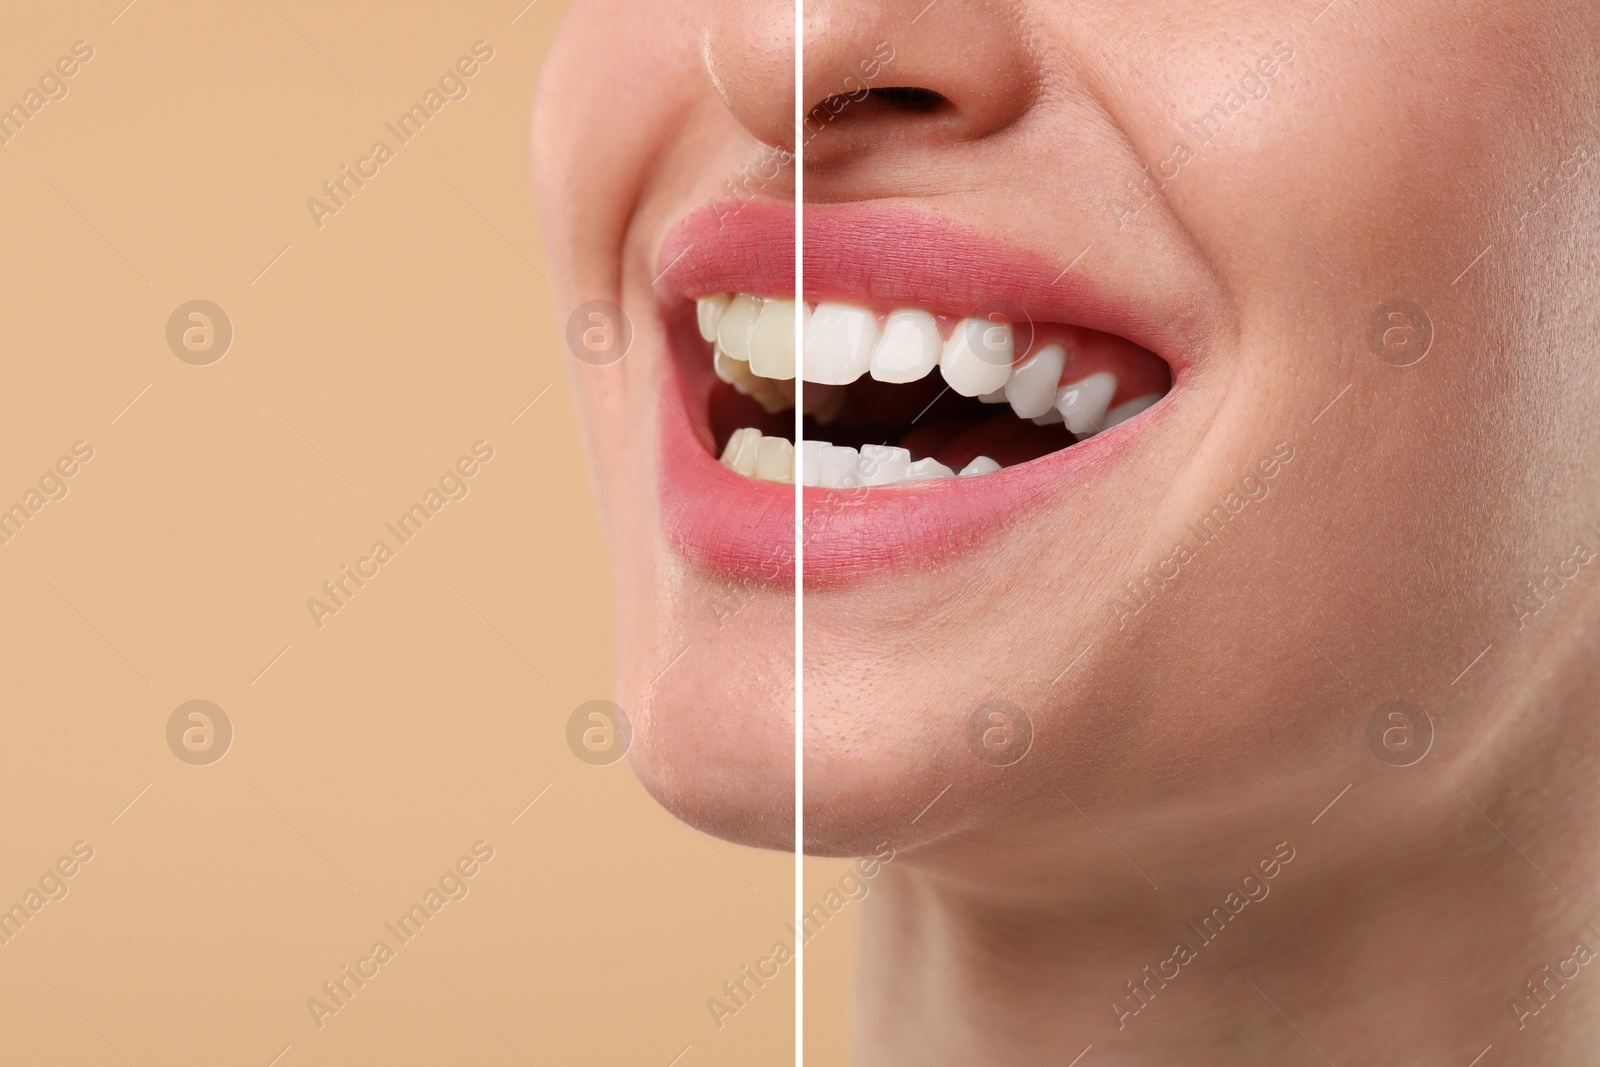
[(754, 455), (842, 467), (829, 466)]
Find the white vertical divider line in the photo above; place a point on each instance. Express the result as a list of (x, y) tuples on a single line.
[(799, 531)]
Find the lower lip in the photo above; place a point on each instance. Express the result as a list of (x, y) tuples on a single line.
[(718, 518), (853, 533), (744, 527)]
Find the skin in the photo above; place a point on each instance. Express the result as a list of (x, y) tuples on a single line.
[(1176, 748), (714, 746)]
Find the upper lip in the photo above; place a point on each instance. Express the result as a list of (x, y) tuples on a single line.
[(884, 255)]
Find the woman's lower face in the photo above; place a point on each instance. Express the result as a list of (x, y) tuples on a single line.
[(1182, 384)]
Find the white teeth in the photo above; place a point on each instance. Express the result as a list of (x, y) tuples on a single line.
[(773, 395), (738, 324), (731, 449), (775, 460), (754, 456), (1129, 408), (977, 358), (740, 453), (909, 349), (811, 461), (709, 310), (926, 469), (884, 464), (836, 466), (981, 465), (1032, 388), (735, 372), (840, 466), (1083, 403), (839, 342), (753, 350), (772, 341)]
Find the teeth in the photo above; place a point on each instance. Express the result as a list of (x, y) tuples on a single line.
[(1083, 403), (1032, 388), (773, 395), (981, 465), (811, 458), (977, 358), (884, 464), (753, 349), (737, 326), (1129, 408), (709, 310), (754, 456), (926, 469), (775, 460), (736, 372), (909, 350), (840, 466), (740, 452), (839, 342), (772, 341)]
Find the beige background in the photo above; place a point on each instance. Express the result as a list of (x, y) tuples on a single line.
[(427, 713)]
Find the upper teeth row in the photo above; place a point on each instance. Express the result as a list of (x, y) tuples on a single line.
[(754, 340)]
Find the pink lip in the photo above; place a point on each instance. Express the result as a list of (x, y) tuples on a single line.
[(719, 519), (886, 257)]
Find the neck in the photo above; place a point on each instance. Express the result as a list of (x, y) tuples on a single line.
[(1403, 928)]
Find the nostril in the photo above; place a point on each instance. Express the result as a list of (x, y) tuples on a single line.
[(910, 98), (887, 103), (941, 75)]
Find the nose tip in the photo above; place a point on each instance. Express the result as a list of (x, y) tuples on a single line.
[(909, 70), (749, 53)]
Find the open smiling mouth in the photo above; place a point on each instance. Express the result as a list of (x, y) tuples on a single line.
[(894, 396), (929, 349)]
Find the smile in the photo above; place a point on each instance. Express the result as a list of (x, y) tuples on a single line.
[(950, 384), (1061, 384)]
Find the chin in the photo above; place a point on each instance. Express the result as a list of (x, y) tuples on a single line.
[(714, 741)]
